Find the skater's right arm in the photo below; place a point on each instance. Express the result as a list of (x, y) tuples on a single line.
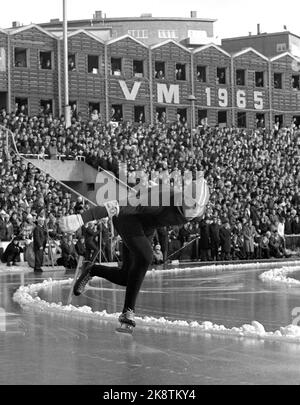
[(72, 223)]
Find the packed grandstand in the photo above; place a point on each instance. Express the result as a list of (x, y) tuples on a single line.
[(253, 176)]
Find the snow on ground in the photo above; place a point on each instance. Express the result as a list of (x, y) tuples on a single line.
[(27, 296), (280, 276)]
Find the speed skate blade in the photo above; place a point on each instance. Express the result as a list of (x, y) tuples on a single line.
[(124, 328)]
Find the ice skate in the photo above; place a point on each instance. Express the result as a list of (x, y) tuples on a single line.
[(127, 322), (83, 279)]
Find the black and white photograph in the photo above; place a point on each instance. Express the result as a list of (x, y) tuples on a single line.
[(149, 196)]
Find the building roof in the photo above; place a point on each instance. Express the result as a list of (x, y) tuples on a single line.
[(91, 22), (244, 51), (265, 34)]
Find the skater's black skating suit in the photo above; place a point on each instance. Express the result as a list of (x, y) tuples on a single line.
[(136, 226)]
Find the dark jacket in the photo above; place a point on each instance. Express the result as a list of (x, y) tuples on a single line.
[(11, 252), (225, 239), (2, 229), (204, 233), (214, 233), (39, 237), (90, 238), (80, 248)]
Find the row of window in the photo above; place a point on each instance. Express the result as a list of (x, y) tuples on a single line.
[(116, 113), (163, 34), (160, 70)]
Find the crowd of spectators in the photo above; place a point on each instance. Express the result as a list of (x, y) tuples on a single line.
[(253, 176)]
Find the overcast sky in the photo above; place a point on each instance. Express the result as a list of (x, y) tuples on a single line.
[(235, 17)]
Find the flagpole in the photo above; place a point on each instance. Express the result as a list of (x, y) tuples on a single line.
[(66, 68)]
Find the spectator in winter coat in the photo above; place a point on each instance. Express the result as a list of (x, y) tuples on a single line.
[(249, 233), (12, 253), (264, 246), (68, 252), (214, 234), (39, 243), (204, 243), (296, 225), (2, 226), (80, 246), (276, 245), (90, 243), (225, 241)]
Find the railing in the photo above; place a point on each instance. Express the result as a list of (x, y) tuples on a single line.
[(40, 156)]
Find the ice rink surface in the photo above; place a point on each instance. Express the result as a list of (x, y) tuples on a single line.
[(48, 348)]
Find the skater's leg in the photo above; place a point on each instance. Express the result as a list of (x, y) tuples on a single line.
[(142, 259), (115, 275), (137, 239)]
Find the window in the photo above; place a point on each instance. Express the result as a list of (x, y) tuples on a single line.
[(201, 74), (93, 64), (46, 60), (240, 77), (21, 105), (138, 68), (139, 114), (277, 80), (278, 121), (241, 120), (222, 118), (181, 115), (202, 117), (116, 112), (259, 79), (94, 110), (46, 106), (159, 70), (168, 34), (260, 120), (72, 62), (221, 75), (21, 57), (180, 71), (296, 121), (296, 82), (161, 114), (281, 48), (74, 108), (138, 33), (116, 66)]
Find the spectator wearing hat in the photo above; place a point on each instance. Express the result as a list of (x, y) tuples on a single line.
[(39, 243), (12, 253)]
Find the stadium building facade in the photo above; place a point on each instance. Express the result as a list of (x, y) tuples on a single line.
[(124, 78)]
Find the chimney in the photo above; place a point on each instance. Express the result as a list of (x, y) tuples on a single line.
[(193, 14), (250, 34), (146, 15), (16, 24), (258, 29), (97, 15), (54, 20)]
